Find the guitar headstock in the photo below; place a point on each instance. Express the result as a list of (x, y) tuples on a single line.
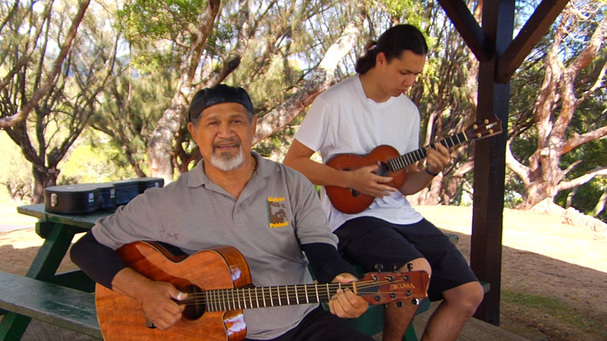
[(384, 287), (484, 128)]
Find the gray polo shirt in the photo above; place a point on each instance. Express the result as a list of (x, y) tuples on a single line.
[(276, 212)]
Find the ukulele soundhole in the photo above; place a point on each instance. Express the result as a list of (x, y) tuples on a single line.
[(195, 306), (383, 170)]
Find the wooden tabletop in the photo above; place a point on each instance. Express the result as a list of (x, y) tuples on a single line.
[(85, 221)]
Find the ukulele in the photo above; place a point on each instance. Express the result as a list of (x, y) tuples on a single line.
[(348, 200), (218, 285)]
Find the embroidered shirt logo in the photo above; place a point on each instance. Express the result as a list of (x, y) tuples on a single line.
[(277, 211)]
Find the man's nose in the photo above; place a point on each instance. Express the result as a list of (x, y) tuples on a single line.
[(409, 80), (225, 129)]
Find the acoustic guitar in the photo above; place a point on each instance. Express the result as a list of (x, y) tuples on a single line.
[(218, 285), (348, 200)]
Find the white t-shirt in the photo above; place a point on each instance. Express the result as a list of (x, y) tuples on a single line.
[(344, 120)]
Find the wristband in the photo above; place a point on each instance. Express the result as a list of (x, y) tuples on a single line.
[(429, 172)]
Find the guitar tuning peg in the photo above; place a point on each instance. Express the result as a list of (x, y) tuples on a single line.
[(409, 266), (394, 268), (399, 304), (379, 267), (415, 301)]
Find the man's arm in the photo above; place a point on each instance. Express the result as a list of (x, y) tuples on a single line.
[(363, 179), (325, 261), (98, 261), (103, 265), (417, 179), (327, 264)]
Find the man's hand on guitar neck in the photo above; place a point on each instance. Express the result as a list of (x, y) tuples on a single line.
[(364, 180), (418, 178), (157, 298), (438, 157), (345, 303)]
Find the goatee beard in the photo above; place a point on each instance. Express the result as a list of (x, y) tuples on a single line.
[(226, 162)]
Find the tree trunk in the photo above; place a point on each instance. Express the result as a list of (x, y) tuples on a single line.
[(160, 145), (557, 100), (43, 178)]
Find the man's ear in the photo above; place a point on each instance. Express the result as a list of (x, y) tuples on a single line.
[(254, 123), (380, 58), (192, 129)]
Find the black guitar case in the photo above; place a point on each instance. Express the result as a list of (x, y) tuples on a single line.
[(81, 198), (90, 197)]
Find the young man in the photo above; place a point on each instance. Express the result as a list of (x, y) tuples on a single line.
[(355, 116), (230, 198)]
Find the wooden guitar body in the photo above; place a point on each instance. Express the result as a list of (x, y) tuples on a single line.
[(348, 200), (217, 282), (219, 268)]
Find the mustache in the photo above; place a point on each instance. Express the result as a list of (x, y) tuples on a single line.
[(228, 141)]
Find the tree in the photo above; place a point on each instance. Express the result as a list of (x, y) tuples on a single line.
[(573, 69), (240, 42), (52, 77)]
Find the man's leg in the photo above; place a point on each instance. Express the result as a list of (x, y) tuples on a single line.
[(458, 305), (398, 318), (452, 281), (371, 242)]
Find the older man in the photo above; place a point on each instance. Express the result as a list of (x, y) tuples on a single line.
[(230, 198)]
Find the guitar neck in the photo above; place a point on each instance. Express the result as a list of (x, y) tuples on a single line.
[(264, 297), (410, 158)]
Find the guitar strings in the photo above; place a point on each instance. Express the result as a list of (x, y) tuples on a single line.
[(229, 298)]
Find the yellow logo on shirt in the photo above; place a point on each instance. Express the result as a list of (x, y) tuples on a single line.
[(277, 212)]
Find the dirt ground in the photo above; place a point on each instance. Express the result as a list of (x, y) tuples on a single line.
[(554, 275)]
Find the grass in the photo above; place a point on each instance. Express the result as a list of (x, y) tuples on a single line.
[(551, 308)]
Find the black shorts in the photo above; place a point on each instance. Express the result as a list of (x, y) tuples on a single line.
[(369, 241), (321, 325)]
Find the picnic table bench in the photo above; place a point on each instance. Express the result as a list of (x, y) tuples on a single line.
[(65, 299), (48, 302)]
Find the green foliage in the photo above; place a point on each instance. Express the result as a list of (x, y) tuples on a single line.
[(15, 171), (94, 160), (158, 31)]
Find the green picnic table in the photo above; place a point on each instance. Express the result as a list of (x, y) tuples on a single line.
[(42, 292)]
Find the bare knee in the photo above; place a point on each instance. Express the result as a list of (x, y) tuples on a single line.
[(467, 297)]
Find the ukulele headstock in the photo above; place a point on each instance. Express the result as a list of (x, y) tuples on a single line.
[(484, 128), (384, 287)]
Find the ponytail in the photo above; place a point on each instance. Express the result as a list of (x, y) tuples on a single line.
[(367, 61)]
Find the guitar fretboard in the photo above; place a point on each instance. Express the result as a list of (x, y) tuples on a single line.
[(263, 297), (410, 158)]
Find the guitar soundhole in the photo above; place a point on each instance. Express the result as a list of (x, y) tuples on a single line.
[(195, 306)]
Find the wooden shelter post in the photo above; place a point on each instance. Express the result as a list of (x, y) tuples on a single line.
[(490, 162), (499, 56)]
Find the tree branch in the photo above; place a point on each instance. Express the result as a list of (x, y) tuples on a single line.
[(11, 121), (321, 80), (565, 185), (523, 172)]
